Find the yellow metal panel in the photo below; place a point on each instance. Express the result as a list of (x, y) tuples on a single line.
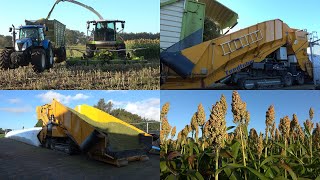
[(279, 29), (121, 135), (99, 116), (195, 53), (270, 35), (71, 122)]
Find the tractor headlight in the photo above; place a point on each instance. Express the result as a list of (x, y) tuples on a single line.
[(24, 47)]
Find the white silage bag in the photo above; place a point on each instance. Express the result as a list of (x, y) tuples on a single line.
[(316, 65), (28, 136)]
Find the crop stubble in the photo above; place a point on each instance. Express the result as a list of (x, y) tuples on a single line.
[(117, 76)]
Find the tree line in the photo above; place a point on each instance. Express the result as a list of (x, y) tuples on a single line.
[(74, 37), (128, 117)]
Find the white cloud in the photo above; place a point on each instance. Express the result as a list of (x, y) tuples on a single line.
[(17, 110), (116, 91), (14, 101), (149, 108), (64, 99)]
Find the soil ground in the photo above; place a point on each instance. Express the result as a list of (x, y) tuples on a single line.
[(23, 161)]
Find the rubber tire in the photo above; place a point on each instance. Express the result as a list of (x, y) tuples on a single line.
[(50, 55), (300, 78), (38, 60), (89, 53), (63, 54), (240, 83), (5, 60), (121, 54), (287, 80)]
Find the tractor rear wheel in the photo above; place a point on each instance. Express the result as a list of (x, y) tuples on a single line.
[(50, 57), (38, 60), (61, 55), (5, 61)]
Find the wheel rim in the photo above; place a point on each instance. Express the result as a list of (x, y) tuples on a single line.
[(288, 79), (51, 57), (43, 61)]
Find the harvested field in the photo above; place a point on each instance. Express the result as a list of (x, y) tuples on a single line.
[(22, 161), (62, 76)]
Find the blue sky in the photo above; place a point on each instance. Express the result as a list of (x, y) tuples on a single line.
[(297, 14), (17, 108), (184, 103), (140, 15)]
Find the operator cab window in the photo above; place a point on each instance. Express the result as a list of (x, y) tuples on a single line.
[(105, 31), (29, 33), (110, 32), (41, 34)]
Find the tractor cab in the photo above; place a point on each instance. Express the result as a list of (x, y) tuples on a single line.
[(28, 36), (104, 30), (104, 35)]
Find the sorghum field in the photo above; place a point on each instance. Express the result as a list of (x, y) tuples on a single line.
[(289, 150)]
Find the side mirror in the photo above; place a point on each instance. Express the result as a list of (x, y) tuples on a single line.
[(47, 29), (10, 29), (122, 25), (88, 25)]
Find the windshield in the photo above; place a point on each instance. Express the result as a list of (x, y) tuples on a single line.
[(105, 31), (29, 33)]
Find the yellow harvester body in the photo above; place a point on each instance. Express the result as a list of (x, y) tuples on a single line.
[(214, 60), (92, 131)]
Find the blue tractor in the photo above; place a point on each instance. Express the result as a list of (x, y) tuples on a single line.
[(30, 47), (35, 44)]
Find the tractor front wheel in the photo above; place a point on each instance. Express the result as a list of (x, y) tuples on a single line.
[(38, 60), (5, 61), (90, 51)]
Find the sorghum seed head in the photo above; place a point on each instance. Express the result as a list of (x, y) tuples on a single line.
[(201, 116), (270, 115), (173, 132), (284, 126), (165, 109), (311, 113), (260, 145), (194, 122)]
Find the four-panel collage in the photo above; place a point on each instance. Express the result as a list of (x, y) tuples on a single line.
[(159, 89)]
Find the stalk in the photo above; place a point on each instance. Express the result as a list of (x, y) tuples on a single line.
[(285, 154), (242, 146), (266, 149), (216, 177), (202, 138), (310, 145)]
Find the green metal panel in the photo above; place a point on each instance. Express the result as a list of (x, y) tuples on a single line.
[(221, 14), (56, 32), (193, 19)]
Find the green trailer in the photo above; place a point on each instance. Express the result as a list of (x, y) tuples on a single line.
[(56, 34)]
